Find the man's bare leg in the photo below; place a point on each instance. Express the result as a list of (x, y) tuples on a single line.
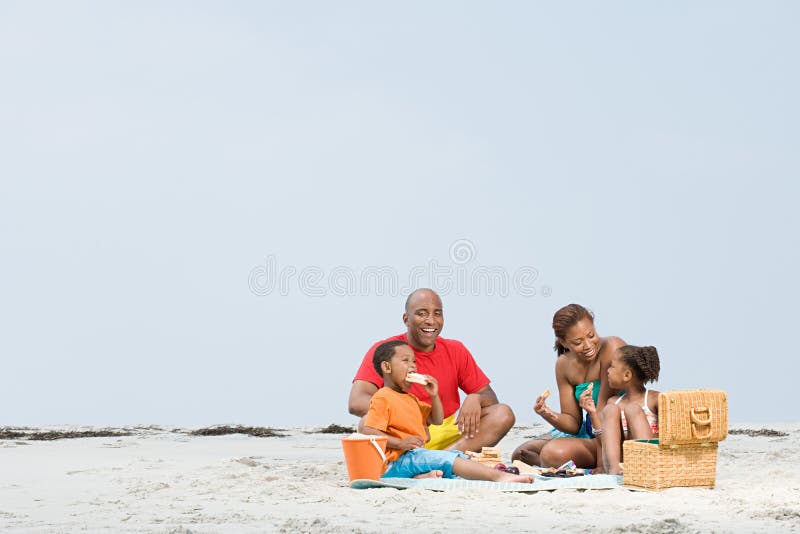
[(496, 421)]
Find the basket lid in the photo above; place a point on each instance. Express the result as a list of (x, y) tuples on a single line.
[(692, 416)]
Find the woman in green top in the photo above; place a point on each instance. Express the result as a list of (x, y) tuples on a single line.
[(582, 378)]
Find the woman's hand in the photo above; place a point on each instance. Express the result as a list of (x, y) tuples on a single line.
[(541, 408)]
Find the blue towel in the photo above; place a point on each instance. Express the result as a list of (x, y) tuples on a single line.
[(539, 483)]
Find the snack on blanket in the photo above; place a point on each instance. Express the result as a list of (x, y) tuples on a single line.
[(526, 469), (493, 452), (489, 456), (416, 378), (566, 470)]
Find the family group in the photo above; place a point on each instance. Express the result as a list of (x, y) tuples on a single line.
[(601, 389)]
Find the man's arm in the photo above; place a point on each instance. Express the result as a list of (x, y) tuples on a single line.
[(360, 394), (487, 396)]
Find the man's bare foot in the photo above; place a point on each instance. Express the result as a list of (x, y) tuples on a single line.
[(599, 470), (436, 473)]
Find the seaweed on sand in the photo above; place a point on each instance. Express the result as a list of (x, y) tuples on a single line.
[(50, 435), (762, 432), (256, 431), (6, 433), (334, 429)]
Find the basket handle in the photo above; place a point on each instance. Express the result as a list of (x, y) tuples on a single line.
[(697, 421), (696, 418)]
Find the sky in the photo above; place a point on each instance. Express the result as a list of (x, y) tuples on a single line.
[(209, 211)]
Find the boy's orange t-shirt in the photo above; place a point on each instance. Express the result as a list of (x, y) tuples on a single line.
[(398, 414)]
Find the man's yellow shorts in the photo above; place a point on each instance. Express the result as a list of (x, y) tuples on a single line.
[(444, 435)]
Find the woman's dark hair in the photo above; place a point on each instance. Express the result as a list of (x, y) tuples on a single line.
[(643, 361), (384, 353), (566, 318)]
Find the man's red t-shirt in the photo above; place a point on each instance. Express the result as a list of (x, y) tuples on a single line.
[(449, 362)]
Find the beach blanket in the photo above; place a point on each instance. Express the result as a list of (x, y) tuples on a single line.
[(539, 484)]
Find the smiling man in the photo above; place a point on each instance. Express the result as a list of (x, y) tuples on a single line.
[(481, 421)]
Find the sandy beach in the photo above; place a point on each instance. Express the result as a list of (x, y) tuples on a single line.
[(166, 480)]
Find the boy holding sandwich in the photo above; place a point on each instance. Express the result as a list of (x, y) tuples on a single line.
[(402, 418)]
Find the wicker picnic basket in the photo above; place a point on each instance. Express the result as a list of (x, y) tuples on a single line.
[(690, 422)]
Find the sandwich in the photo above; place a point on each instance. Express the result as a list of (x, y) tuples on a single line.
[(416, 378)]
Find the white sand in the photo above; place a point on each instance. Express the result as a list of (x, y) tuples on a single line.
[(163, 481)]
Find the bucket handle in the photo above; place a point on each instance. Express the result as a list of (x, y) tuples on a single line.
[(378, 448)]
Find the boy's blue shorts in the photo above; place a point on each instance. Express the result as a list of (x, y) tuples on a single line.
[(417, 461)]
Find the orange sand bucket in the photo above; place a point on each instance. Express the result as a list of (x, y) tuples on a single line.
[(365, 456)]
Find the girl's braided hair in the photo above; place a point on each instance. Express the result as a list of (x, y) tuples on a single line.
[(643, 361)]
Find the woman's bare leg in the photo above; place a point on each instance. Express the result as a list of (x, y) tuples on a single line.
[(529, 451), (560, 450)]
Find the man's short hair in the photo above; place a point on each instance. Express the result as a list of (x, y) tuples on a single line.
[(408, 299)]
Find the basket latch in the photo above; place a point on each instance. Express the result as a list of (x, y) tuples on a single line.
[(701, 416)]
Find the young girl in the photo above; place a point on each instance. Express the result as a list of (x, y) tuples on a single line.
[(633, 414)]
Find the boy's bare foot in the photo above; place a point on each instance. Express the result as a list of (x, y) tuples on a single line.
[(436, 473), (508, 477)]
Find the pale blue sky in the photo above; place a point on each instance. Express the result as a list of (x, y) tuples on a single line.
[(642, 157)]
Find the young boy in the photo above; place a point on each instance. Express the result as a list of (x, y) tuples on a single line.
[(403, 419)]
